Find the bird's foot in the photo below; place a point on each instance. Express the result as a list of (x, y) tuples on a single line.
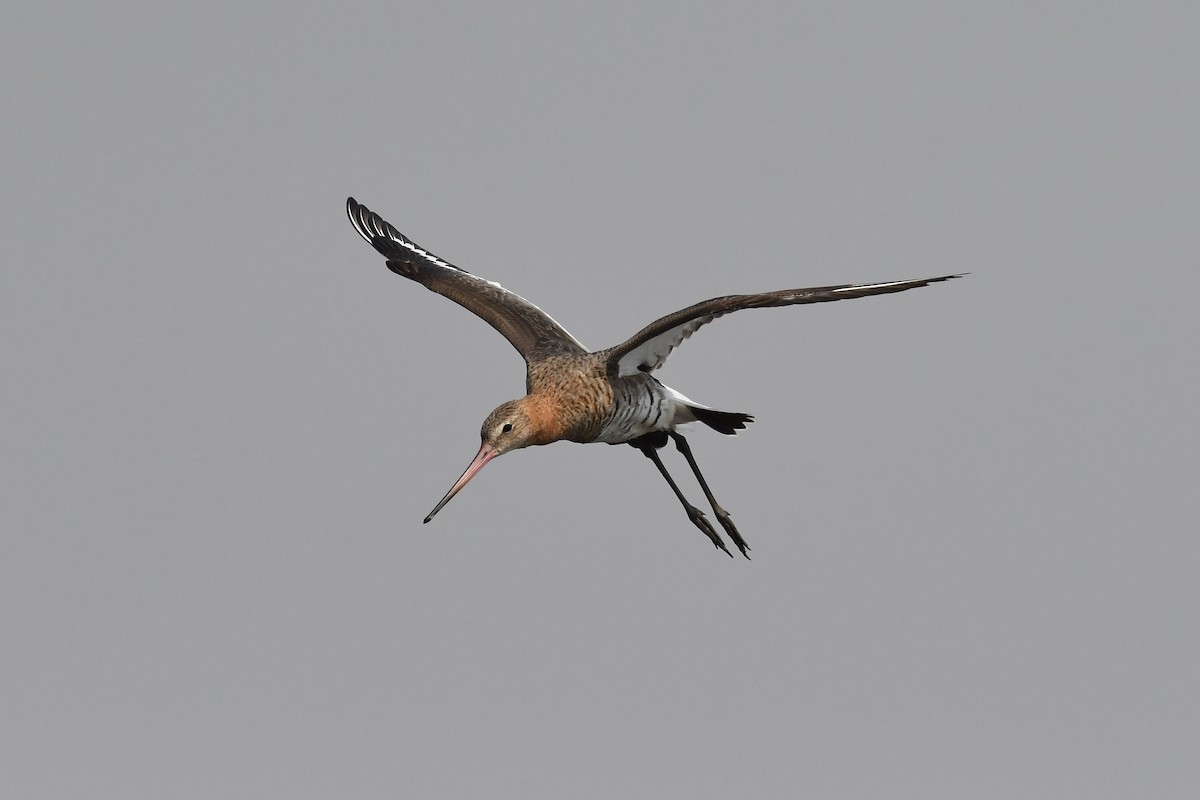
[(700, 521), (726, 521)]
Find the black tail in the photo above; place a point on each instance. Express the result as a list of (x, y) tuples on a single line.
[(726, 422)]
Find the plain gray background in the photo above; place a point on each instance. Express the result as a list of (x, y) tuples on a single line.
[(972, 506)]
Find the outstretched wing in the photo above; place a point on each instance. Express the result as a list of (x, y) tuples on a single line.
[(648, 348), (532, 331)]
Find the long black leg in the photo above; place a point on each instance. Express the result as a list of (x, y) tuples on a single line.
[(721, 514), (694, 514)]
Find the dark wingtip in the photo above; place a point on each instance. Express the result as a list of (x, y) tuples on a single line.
[(377, 231), (359, 219)]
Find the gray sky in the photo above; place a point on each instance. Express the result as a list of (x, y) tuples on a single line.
[(972, 506)]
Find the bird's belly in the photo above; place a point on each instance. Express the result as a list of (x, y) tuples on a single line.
[(639, 407)]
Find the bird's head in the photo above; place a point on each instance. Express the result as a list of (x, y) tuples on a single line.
[(510, 426)]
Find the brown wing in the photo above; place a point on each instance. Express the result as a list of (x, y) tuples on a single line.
[(532, 331), (646, 350)]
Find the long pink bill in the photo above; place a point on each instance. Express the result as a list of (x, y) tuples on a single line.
[(485, 454)]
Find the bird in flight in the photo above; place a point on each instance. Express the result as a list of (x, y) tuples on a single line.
[(577, 395)]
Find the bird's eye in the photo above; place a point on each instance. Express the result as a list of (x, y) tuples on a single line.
[(506, 427)]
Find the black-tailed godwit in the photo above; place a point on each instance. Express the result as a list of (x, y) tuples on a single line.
[(578, 395)]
